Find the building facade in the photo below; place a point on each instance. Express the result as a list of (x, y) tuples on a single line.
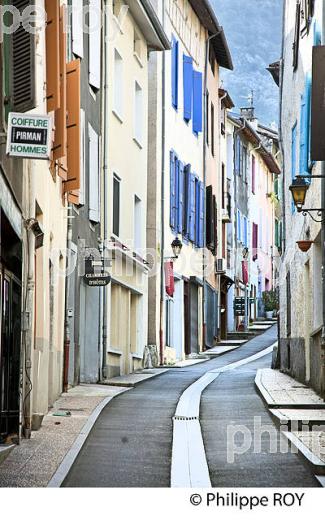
[(301, 323)]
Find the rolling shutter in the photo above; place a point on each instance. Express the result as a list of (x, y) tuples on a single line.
[(94, 43), (52, 54), (94, 203), (60, 140), (73, 125), (23, 89), (197, 102), (77, 29), (188, 86)]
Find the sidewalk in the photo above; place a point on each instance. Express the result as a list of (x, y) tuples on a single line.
[(300, 413), (64, 430)]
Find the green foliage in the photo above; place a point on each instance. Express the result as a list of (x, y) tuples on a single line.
[(270, 300)]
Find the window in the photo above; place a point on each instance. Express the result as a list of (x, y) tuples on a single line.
[(305, 121), (137, 224), (244, 163), (238, 146), (253, 173), (245, 231), (199, 213), (118, 84), (207, 117), (116, 205), (212, 130), (94, 43), (255, 242), (197, 102), (188, 86), (223, 181), (239, 228), (296, 38), (175, 72), (77, 30), (138, 113), (94, 175)]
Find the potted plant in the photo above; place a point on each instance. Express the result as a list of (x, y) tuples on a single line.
[(270, 303), (304, 245)]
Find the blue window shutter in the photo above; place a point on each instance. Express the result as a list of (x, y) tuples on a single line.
[(201, 220), (192, 208), (294, 151), (303, 157), (238, 226), (308, 108), (188, 86), (197, 102), (187, 184), (172, 190), (197, 213), (180, 197), (245, 232), (175, 47), (317, 34)]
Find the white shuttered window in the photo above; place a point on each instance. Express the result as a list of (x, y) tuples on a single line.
[(94, 43), (77, 28), (94, 177)]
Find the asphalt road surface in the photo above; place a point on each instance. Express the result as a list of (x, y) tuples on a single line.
[(131, 443)]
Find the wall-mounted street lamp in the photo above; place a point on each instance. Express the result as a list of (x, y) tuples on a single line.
[(177, 247), (299, 189)]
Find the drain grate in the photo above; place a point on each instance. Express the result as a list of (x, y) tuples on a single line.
[(180, 418)]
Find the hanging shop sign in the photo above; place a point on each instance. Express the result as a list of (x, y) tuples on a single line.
[(97, 280), (29, 136)]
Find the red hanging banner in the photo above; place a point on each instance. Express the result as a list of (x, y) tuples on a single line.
[(169, 278), (245, 271)]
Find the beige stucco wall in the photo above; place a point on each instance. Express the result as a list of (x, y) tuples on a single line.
[(47, 319), (128, 160)]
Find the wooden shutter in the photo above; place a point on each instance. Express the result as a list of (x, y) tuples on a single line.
[(197, 102), (188, 86), (94, 212), (60, 140), (192, 208), (296, 37), (23, 88), (201, 215), (215, 227), (52, 8), (173, 214), (209, 219), (73, 125), (94, 43), (77, 29), (175, 47), (181, 197)]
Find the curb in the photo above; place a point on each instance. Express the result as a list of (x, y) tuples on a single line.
[(317, 465), (5, 451), (109, 382), (64, 468), (272, 404), (279, 419)]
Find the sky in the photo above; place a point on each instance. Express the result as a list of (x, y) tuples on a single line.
[(253, 30)]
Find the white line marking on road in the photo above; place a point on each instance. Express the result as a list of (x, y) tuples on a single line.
[(189, 468)]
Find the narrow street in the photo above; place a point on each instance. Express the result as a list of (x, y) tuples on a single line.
[(122, 449)]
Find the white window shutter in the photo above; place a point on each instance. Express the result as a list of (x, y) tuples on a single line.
[(94, 43), (77, 28), (94, 177), (82, 191)]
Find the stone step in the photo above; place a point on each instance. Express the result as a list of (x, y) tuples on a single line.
[(5, 450), (227, 342)]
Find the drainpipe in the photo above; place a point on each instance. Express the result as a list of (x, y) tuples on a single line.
[(28, 328), (66, 347), (163, 165), (236, 132), (105, 136), (205, 131), (323, 249)]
